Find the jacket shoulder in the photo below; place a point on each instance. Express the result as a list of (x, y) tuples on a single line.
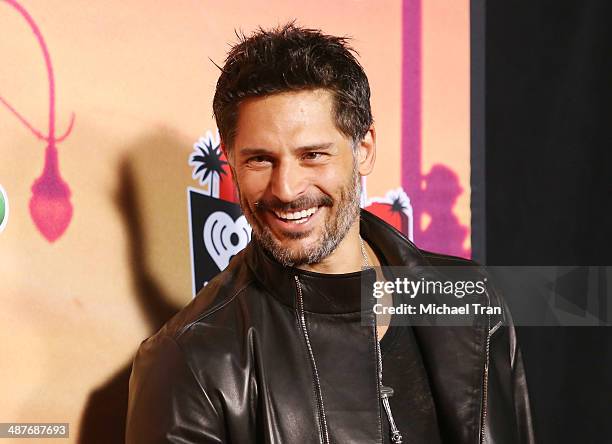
[(216, 305), (467, 269), (217, 295), (440, 259), (454, 266), (205, 330)]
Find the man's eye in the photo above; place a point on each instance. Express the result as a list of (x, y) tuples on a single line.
[(258, 160), (313, 155)]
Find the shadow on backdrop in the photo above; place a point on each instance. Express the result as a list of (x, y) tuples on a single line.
[(104, 415)]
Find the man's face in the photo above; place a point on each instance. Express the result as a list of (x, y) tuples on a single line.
[(296, 175)]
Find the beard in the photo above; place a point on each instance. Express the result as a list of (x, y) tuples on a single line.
[(334, 228)]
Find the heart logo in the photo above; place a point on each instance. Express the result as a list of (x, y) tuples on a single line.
[(225, 237)]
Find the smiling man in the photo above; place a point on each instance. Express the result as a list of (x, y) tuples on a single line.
[(298, 178), (276, 348)]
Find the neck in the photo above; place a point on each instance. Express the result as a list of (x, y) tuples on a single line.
[(347, 257)]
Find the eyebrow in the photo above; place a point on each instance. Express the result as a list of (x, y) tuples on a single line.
[(315, 147), (301, 149), (253, 151)]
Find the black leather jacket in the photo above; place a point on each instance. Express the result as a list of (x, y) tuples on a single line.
[(268, 354)]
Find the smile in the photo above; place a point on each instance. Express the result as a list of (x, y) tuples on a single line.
[(296, 217)]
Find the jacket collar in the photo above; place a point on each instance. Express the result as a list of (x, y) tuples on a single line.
[(333, 293)]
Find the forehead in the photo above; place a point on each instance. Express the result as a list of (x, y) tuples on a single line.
[(286, 119)]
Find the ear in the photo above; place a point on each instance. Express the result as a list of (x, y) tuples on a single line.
[(367, 152)]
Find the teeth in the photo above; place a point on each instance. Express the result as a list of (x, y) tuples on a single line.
[(297, 215)]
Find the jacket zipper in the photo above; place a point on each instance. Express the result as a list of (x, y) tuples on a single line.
[(485, 384), (324, 435), (485, 377)]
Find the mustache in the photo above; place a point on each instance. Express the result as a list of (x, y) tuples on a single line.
[(302, 203)]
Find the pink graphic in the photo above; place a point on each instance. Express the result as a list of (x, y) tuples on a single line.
[(50, 206), (433, 196), (411, 106), (444, 233)]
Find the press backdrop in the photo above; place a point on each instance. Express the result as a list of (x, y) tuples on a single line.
[(100, 189)]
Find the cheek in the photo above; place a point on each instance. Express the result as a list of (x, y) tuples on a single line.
[(332, 180), (252, 184)]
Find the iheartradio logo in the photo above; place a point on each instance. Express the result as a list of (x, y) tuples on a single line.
[(225, 237)]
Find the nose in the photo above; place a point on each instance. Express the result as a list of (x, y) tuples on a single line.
[(288, 181)]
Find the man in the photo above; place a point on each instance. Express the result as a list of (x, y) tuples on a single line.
[(276, 348)]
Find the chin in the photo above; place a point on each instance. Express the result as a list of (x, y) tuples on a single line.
[(297, 250), (292, 253)]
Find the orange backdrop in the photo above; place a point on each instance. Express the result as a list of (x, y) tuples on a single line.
[(138, 78)]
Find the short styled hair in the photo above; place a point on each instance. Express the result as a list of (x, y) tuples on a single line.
[(291, 58)]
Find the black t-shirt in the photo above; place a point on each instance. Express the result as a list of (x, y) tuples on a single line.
[(412, 404)]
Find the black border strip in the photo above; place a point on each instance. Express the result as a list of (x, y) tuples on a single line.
[(477, 130)]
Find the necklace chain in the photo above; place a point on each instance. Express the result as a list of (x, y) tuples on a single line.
[(364, 255)]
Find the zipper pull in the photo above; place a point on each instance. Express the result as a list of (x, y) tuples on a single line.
[(386, 392)]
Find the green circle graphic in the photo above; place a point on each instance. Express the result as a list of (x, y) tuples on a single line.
[(3, 208)]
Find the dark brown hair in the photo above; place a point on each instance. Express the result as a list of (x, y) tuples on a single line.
[(290, 58)]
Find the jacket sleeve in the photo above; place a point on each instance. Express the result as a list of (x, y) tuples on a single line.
[(521, 401), (509, 418), (166, 402)]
